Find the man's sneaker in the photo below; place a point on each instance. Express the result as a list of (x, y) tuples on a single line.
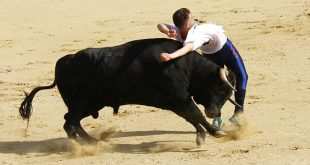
[(217, 123), (235, 119)]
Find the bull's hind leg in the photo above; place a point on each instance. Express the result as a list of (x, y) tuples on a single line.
[(74, 129), (115, 109)]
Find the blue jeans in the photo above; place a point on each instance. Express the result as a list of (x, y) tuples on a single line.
[(230, 57)]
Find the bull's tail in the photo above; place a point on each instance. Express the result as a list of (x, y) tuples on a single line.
[(26, 106)]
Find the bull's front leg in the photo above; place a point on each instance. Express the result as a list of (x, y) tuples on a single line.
[(191, 114), (212, 130)]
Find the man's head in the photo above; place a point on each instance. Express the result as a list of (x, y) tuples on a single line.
[(182, 18)]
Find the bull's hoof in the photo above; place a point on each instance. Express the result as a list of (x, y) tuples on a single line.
[(115, 110), (219, 134), (216, 132), (95, 115), (87, 141), (92, 141), (200, 138)]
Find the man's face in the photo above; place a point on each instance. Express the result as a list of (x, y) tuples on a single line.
[(186, 27)]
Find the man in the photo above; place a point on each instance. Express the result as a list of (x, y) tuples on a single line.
[(214, 44)]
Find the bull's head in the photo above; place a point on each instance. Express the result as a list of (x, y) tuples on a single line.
[(214, 94)]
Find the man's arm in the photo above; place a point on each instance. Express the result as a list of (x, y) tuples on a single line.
[(178, 53), (168, 30)]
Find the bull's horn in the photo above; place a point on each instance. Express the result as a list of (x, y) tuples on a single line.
[(224, 78), (235, 103)]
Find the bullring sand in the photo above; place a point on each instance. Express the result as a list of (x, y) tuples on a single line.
[(272, 36)]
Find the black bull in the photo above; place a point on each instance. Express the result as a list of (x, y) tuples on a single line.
[(132, 73)]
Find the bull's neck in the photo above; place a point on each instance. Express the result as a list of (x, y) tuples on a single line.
[(204, 72)]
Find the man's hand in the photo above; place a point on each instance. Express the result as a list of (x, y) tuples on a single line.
[(168, 30), (165, 57), (180, 52), (172, 33)]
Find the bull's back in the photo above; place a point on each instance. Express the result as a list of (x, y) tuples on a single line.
[(129, 72)]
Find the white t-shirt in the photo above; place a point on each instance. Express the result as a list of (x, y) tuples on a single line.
[(209, 37)]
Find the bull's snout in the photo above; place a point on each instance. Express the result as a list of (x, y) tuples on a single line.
[(212, 114)]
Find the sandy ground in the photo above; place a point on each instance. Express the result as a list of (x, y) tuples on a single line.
[(272, 36)]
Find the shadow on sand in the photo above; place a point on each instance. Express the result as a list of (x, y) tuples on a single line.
[(65, 145)]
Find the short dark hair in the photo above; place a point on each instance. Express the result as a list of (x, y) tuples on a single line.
[(180, 16)]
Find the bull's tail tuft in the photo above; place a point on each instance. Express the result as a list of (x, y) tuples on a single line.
[(25, 108)]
